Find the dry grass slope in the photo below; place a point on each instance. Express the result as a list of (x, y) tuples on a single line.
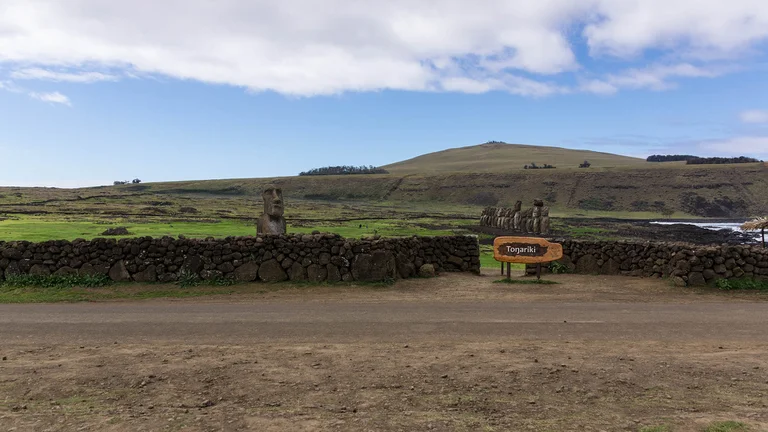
[(488, 174), (498, 157)]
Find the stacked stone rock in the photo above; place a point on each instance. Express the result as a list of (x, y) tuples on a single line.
[(686, 264), (270, 258)]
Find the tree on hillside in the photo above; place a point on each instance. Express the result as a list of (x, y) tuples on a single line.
[(344, 170), (670, 158), (721, 160)]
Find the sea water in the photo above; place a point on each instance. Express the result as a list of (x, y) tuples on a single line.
[(714, 226)]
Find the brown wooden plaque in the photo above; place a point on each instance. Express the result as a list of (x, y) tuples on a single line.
[(526, 250)]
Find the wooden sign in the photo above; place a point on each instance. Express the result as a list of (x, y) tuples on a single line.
[(526, 250)]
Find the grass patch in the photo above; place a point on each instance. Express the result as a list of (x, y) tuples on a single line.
[(659, 428), (488, 262), (38, 229), (53, 290), (527, 282), (53, 281), (727, 426), (57, 295), (742, 284)]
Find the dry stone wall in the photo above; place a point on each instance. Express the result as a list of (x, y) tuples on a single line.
[(269, 258), (686, 264)]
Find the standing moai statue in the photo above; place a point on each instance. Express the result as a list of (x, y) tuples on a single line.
[(517, 216), (537, 205), (545, 220), (529, 220), (505, 219), (272, 220)]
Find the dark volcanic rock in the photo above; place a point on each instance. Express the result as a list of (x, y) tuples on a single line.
[(272, 271), (696, 279), (39, 270), (117, 231), (119, 273), (610, 267), (427, 271), (148, 275), (192, 264), (317, 273), (587, 265), (65, 271), (247, 272), (89, 269), (377, 266), (297, 272), (334, 275)]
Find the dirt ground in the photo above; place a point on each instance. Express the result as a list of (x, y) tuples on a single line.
[(457, 352)]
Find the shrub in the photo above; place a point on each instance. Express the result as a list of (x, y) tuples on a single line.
[(559, 268), (742, 284)]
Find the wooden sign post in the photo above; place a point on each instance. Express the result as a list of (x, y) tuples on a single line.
[(525, 250)]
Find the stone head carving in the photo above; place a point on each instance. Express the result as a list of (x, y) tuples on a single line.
[(272, 221), (518, 206), (273, 201), (538, 203)]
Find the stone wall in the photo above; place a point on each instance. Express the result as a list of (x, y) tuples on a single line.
[(313, 257), (686, 264)]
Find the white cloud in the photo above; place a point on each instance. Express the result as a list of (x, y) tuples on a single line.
[(738, 146), (754, 116), (68, 76), (656, 77), (54, 97), (10, 86), (307, 47), (701, 28)]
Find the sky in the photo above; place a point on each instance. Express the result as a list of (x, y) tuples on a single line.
[(93, 91)]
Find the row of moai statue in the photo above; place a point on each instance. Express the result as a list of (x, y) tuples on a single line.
[(533, 220)]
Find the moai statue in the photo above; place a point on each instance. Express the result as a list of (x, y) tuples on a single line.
[(536, 217), (272, 221), (517, 216), (528, 218), (545, 220), (508, 219), (499, 212)]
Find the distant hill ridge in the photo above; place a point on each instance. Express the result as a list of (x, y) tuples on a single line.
[(500, 157)]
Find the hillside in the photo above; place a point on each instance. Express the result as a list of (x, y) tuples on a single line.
[(699, 190), (499, 157), (613, 184)]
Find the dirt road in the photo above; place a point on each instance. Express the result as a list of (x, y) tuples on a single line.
[(453, 353)]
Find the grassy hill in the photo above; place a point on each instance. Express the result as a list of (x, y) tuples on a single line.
[(500, 157), (451, 182)]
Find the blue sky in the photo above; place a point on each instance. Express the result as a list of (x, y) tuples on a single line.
[(101, 91)]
